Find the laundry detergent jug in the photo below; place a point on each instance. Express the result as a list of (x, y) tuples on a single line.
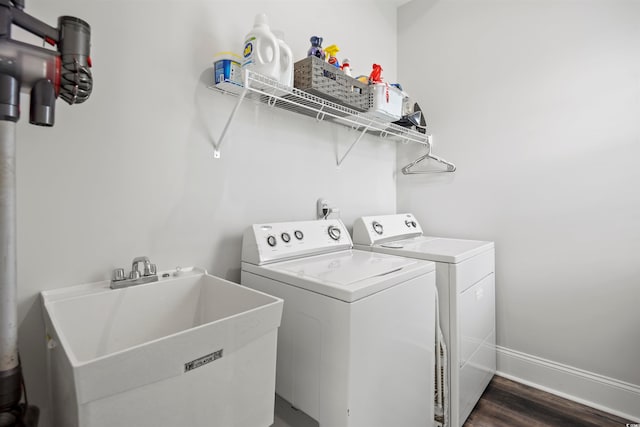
[(261, 53), (286, 60)]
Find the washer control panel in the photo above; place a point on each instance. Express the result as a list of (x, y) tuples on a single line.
[(264, 243), (370, 230)]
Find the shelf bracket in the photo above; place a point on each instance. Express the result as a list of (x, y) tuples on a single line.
[(364, 130), (216, 146)]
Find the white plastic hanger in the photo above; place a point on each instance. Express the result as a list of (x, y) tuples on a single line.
[(450, 167)]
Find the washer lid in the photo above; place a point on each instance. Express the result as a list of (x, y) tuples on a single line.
[(347, 275), (435, 248)]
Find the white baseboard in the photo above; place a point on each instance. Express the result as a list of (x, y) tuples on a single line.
[(600, 392)]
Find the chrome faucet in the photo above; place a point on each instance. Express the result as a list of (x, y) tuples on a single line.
[(149, 274), (135, 273)]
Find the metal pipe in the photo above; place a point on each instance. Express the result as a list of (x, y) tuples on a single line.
[(8, 264), (10, 372)]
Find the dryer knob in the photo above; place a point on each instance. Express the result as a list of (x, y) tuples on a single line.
[(377, 227), (334, 232), (271, 240)]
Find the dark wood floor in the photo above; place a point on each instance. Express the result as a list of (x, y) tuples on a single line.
[(509, 404)]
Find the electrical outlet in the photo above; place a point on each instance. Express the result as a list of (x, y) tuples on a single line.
[(324, 208)]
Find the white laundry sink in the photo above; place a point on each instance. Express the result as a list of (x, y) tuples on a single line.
[(189, 350)]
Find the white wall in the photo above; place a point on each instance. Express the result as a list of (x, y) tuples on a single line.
[(131, 172), (538, 104)]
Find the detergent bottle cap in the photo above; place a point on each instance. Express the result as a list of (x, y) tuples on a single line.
[(261, 20)]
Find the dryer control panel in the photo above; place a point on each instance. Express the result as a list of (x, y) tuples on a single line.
[(370, 230), (265, 243)]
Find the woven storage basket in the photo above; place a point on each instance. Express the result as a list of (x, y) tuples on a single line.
[(320, 78)]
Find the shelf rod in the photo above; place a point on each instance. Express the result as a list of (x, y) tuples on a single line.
[(216, 146), (366, 128)]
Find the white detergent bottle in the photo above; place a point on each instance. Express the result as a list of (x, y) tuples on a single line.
[(261, 53), (286, 60)]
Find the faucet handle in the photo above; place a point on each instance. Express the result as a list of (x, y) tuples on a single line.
[(150, 270), (135, 274), (117, 274)]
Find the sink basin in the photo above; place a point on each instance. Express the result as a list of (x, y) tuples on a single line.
[(191, 349)]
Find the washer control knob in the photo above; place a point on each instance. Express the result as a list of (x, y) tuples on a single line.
[(334, 232), (413, 223), (408, 223), (271, 240), (298, 234), (285, 237), (377, 227)]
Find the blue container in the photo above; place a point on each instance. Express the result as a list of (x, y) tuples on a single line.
[(227, 68)]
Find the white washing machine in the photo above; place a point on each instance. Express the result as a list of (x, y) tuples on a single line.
[(465, 279), (356, 341)]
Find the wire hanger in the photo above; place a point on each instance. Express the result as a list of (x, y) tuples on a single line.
[(450, 166)]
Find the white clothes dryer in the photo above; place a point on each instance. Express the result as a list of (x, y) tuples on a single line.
[(465, 279), (356, 341)]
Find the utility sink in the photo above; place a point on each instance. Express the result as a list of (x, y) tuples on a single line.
[(188, 350)]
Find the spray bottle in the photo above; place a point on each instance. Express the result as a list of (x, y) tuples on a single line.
[(331, 52), (346, 66)]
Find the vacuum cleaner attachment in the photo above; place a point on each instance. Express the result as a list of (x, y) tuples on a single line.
[(76, 81)]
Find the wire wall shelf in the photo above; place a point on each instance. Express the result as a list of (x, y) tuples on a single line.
[(264, 90)]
